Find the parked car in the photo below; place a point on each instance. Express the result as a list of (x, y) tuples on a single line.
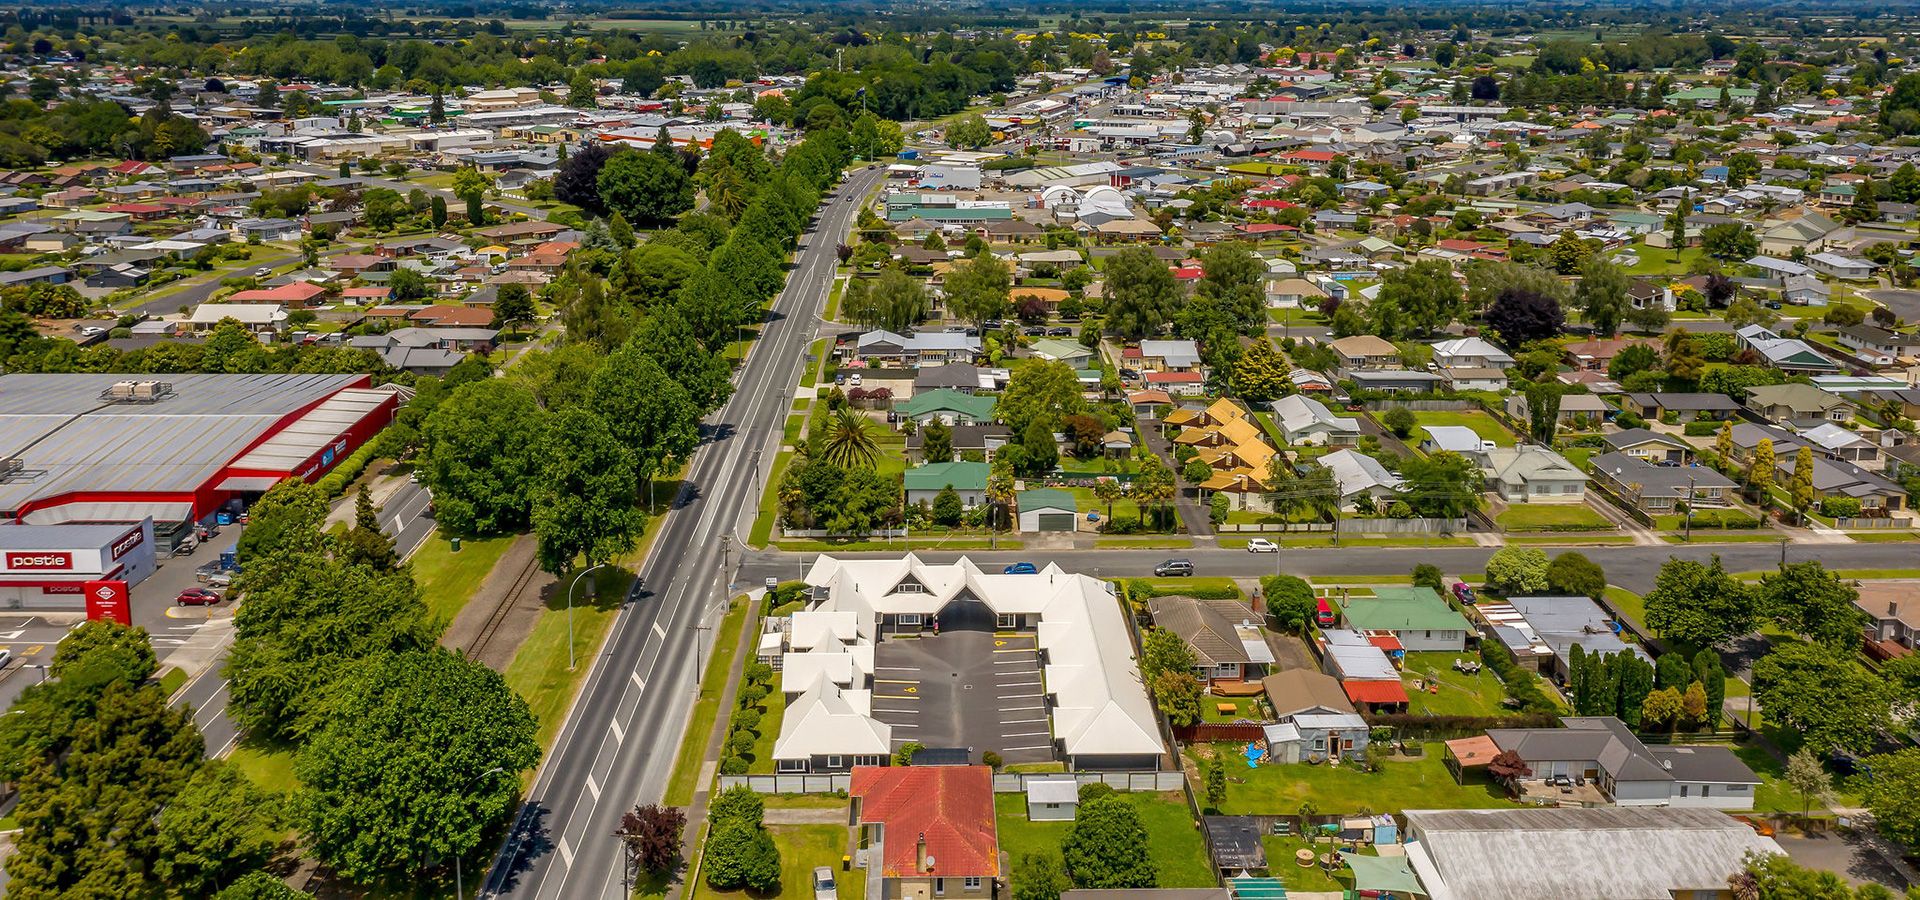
[(855, 380), (197, 597), (1034, 331), (220, 579), (1173, 568), (1020, 568), (1262, 545), (823, 886), (1463, 593), (1059, 331)]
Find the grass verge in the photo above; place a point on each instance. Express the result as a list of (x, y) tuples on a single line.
[(706, 707), (447, 579), (539, 668)]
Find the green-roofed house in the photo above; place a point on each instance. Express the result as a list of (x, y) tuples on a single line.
[(1416, 616), (968, 479), (1047, 509), (1073, 353), (947, 405), (1707, 97)]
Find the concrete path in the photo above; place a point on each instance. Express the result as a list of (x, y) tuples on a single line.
[(806, 816)]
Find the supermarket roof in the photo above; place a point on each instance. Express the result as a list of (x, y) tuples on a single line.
[(70, 439)]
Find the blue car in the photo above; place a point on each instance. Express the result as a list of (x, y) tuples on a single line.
[(1020, 568)]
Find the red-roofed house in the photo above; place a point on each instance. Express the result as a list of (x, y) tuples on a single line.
[(1369, 694), (141, 212), (933, 827), (293, 294), (1179, 384), (136, 167), (453, 316)]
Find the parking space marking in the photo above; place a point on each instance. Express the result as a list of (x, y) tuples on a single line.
[(1018, 696), (1016, 650), (897, 680), (1041, 747), (895, 697), (1022, 721), (1019, 708), (1011, 662), (1016, 684)]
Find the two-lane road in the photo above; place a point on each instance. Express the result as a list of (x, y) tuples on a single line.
[(620, 739)]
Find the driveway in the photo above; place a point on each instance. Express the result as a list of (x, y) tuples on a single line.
[(965, 687), (1905, 304), (1846, 853)]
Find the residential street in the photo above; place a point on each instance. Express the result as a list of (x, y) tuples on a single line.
[(640, 687)]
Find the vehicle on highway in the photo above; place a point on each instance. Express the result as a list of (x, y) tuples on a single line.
[(197, 597), (1262, 545), (1174, 568), (1020, 568), (823, 886), (6, 656)]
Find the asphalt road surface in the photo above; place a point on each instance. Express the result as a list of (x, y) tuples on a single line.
[(618, 745), (1630, 567)]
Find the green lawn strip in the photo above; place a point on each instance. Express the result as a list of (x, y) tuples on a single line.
[(1281, 864), (885, 546), (1202, 585), (1144, 544), (1350, 540), (269, 766), (1774, 794), (1536, 516), (1243, 708), (769, 501), (693, 745), (539, 672), (172, 679), (1482, 424), (1460, 694), (1570, 539), (1401, 784), (448, 579), (1179, 853), (1882, 537), (773, 708), (1627, 605), (802, 847), (1086, 502), (1726, 537)]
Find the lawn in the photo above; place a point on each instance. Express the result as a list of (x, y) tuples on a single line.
[(1098, 465), (172, 679), (1197, 586), (1653, 260), (1402, 784), (1280, 864), (1460, 694), (1552, 516), (539, 671), (1124, 508), (1243, 708), (802, 847), (773, 708), (693, 745), (447, 579), (1179, 852), (268, 766), (1627, 604), (1774, 794), (1481, 423)]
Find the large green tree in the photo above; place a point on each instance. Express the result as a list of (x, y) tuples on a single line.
[(217, 829), (1107, 846), (1700, 604), (1416, 300), (650, 188), (1141, 294), (481, 456), (398, 777), (977, 288), (1601, 295), (584, 503), (1042, 392), (1806, 599), (1827, 697)]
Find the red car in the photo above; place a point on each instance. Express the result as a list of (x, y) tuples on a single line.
[(197, 597)]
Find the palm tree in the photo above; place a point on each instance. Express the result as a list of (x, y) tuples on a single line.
[(999, 495), (1107, 490), (849, 441)]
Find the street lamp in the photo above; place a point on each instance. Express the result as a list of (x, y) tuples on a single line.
[(570, 587), (459, 884)]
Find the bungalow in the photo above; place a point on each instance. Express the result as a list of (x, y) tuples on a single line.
[(1416, 617), (1847, 268), (963, 377), (1649, 446), (1778, 270), (1466, 379), (267, 230), (1541, 632), (1470, 353), (1169, 356), (1532, 474), (1359, 475), (1627, 772), (1790, 355), (1655, 489), (261, 318), (1073, 353), (932, 829), (1878, 346), (1292, 293), (916, 348), (950, 407), (1314, 718), (1365, 351), (1893, 617), (925, 482), (293, 294), (1687, 406), (1224, 635), (1797, 405), (1842, 444), (1597, 355), (966, 440), (1180, 384), (1304, 421), (1650, 293), (1805, 290)]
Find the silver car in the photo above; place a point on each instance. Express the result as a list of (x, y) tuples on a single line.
[(823, 886)]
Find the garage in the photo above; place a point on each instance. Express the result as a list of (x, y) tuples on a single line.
[(1047, 510)]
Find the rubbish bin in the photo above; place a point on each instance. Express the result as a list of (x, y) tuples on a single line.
[(456, 545)]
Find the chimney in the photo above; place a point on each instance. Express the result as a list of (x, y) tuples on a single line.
[(920, 860), (1893, 608)]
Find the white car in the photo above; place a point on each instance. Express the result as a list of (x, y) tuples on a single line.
[(1262, 545), (823, 885)]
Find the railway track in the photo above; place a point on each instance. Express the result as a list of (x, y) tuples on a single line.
[(498, 616)]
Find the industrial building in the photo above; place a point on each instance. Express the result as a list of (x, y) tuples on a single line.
[(102, 448), (47, 567)]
